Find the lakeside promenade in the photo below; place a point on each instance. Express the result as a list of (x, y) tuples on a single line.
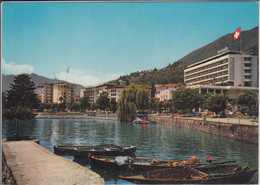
[(226, 120)]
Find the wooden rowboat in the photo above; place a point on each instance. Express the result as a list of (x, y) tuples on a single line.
[(85, 151), (21, 138), (188, 175), (126, 163)]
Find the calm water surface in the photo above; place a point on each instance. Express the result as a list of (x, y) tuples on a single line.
[(153, 141)]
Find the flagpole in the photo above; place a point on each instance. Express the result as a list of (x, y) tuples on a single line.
[(240, 43)]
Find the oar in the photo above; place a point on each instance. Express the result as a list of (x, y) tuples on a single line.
[(225, 162), (212, 163)]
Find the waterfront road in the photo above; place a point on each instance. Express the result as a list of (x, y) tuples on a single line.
[(31, 164)]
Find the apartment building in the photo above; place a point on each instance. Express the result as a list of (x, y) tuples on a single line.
[(101, 88), (228, 72), (44, 92), (64, 90), (88, 91), (94, 92), (39, 90), (115, 91), (164, 92)]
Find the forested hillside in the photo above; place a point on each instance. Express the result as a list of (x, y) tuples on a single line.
[(173, 73), (249, 43)]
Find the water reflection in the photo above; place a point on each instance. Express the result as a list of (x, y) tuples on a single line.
[(152, 141)]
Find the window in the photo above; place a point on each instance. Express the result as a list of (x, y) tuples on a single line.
[(247, 59), (247, 71), (247, 65), (247, 84)]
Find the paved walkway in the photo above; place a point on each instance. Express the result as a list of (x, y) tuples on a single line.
[(231, 121), (222, 120), (32, 164)]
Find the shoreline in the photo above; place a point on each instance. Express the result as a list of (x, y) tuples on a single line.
[(75, 116)]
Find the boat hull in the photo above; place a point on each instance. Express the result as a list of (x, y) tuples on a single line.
[(143, 164), (234, 178), (146, 164), (86, 151)]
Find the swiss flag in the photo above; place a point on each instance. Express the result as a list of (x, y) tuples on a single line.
[(237, 34)]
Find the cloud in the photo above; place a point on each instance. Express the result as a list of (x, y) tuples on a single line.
[(86, 78), (13, 68)]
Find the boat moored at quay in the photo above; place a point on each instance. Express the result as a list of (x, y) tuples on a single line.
[(85, 151)]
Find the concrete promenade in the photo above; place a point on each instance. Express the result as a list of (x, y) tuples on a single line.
[(28, 163), (218, 120), (231, 120)]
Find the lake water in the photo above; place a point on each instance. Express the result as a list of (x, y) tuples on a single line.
[(152, 141)]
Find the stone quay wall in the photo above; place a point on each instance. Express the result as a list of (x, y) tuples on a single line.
[(26, 162), (75, 116), (235, 131)]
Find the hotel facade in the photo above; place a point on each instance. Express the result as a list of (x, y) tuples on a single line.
[(64, 90), (229, 73)]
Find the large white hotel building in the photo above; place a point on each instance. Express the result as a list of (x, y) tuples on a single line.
[(228, 72)]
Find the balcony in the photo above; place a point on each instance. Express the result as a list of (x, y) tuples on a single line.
[(248, 80), (247, 62), (247, 68)]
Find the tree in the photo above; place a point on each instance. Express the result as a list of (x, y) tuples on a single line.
[(249, 99), (160, 106), (84, 103), (153, 90), (186, 99), (132, 99), (204, 100), (21, 98), (61, 99), (103, 101), (153, 104), (167, 105), (75, 106), (3, 100), (217, 103), (22, 93), (113, 105), (93, 106)]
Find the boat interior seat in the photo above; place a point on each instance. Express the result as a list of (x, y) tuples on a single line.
[(245, 168), (237, 169)]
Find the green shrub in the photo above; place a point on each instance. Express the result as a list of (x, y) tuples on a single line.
[(18, 112)]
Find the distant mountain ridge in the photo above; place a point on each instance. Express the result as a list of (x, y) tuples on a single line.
[(37, 79)]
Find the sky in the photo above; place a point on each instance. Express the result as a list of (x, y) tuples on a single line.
[(91, 43)]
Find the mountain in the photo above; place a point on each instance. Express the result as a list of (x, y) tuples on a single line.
[(37, 79), (249, 43), (173, 73)]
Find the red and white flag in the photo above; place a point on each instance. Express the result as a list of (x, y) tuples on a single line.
[(237, 34)]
